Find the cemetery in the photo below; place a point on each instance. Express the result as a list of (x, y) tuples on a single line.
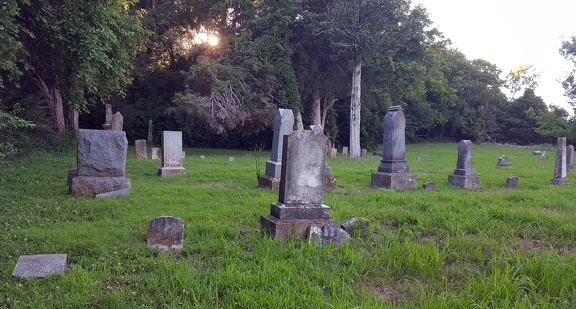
[(374, 247)]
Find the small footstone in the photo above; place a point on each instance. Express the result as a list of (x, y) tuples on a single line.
[(430, 186), (40, 265), (231, 159), (202, 157), (511, 182), (166, 233)]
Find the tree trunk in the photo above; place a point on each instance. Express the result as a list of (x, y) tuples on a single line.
[(316, 110), (299, 123), (328, 103), (55, 105), (355, 105), (74, 116)]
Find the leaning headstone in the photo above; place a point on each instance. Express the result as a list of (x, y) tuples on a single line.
[(155, 153), (569, 158), (141, 151), (301, 195), (283, 125), (117, 122), (150, 137), (364, 152), (344, 151), (108, 123), (544, 156), (430, 186), (40, 265), (393, 172), (464, 176), (560, 165), (165, 233), (511, 182), (503, 161), (101, 163), (171, 154)]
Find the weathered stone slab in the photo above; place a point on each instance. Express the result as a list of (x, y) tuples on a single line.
[(265, 181), (364, 152), (284, 229), (171, 171), (560, 164), (40, 265), (569, 158), (332, 233), (171, 154), (91, 186), (395, 181), (283, 125), (464, 182), (102, 153), (344, 151), (166, 233), (430, 186), (117, 122), (155, 153), (113, 193), (503, 161), (333, 152), (141, 151), (536, 152), (511, 182)]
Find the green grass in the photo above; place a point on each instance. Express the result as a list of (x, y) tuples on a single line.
[(451, 248)]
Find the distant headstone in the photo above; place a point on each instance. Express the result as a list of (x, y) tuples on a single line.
[(300, 200), (544, 156), (150, 137), (393, 172), (283, 125), (511, 182), (333, 152), (560, 165), (430, 186), (183, 154), (155, 153), (503, 161), (536, 152), (117, 122), (364, 152), (418, 158), (141, 151), (464, 176), (166, 233), (569, 158), (171, 154), (108, 123), (231, 159), (71, 174), (202, 157), (329, 180), (344, 151), (101, 163), (40, 265)]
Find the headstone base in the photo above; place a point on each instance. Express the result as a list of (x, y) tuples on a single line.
[(464, 182), (71, 174), (171, 171), (560, 181), (396, 181), (299, 211), (265, 181), (92, 186), (329, 183), (286, 228), (569, 167), (507, 164)]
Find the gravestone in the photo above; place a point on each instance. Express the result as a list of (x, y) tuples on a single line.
[(183, 154), (511, 182), (364, 152), (150, 137), (333, 152), (141, 151), (393, 172), (464, 176), (503, 161), (40, 265), (544, 156), (108, 123), (329, 180), (569, 158), (283, 125), (155, 153), (171, 154), (165, 233), (418, 158), (301, 195), (101, 163), (430, 186), (344, 151), (117, 122), (536, 152), (560, 165)]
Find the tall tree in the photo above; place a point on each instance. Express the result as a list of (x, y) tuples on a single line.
[(568, 51), (521, 78)]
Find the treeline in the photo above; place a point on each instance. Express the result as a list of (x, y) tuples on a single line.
[(218, 70)]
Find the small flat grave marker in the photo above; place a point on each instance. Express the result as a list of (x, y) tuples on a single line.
[(40, 265)]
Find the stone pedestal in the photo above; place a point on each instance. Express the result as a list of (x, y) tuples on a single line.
[(265, 181), (92, 186), (395, 181), (171, 171), (464, 182), (284, 229)]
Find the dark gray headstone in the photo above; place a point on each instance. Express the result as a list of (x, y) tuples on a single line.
[(511, 182), (166, 233), (102, 153), (40, 265), (560, 165), (141, 151), (569, 158), (283, 125), (464, 176)]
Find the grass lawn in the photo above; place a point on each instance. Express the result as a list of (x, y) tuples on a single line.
[(450, 248)]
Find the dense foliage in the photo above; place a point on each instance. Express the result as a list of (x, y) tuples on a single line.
[(217, 70)]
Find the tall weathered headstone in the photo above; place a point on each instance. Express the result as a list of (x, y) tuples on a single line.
[(171, 154), (301, 195), (165, 233), (150, 137), (560, 165), (393, 171), (101, 163), (569, 158), (464, 176), (108, 124), (141, 151), (117, 122), (283, 125)]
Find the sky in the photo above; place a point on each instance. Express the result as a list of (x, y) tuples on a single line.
[(510, 33)]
